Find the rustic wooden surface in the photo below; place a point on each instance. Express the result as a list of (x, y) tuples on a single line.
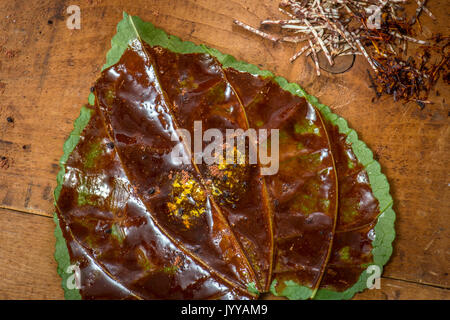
[(46, 71)]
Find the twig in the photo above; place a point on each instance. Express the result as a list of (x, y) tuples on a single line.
[(280, 22), (299, 53), (295, 39), (421, 7), (365, 54), (422, 42), (316, 61), (256, 31)]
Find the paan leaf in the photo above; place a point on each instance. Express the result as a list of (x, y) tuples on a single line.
[(139, 226)]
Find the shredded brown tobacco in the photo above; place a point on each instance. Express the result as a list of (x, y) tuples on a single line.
[(379, 30)]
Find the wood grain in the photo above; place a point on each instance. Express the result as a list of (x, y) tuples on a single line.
[(401, 290), (46, 71), (27, 268)]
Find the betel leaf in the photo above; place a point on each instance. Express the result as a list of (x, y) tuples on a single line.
[(128, 226)]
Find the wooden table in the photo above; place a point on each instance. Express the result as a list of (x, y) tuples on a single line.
[(46, 71)]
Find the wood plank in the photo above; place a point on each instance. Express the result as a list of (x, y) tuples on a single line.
[(27, 266), (48, 75), (391, 289)]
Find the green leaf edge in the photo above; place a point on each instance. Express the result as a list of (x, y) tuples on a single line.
[(251, 287), (384, 229), (61, 251)]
